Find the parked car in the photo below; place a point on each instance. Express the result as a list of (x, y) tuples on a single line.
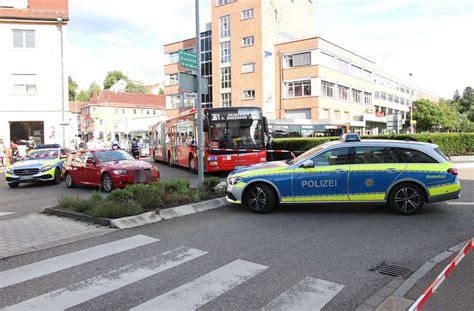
[(42, 164), (107, 170)]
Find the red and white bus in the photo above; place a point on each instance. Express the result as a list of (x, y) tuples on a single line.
[(233, 138)]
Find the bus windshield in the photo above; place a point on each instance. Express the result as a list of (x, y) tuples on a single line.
[(246, 134)]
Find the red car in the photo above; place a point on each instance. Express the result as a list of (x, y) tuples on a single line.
[(107, 169)]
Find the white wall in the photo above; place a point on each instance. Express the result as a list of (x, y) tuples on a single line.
[(44, 61)]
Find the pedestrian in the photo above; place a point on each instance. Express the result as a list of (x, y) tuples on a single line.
[(269, 146), (2, 153)]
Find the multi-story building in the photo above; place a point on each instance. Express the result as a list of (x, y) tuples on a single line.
[(262, 57), (33, 94), (176, 99), (110, 115)]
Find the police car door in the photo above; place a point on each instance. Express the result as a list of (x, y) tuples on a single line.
[(375, 168), (325, 179)]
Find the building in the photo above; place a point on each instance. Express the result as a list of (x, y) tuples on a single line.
[(304, 84), (110, 115), (33, 91)]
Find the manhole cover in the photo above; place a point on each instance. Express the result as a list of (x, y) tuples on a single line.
[(391, 269)]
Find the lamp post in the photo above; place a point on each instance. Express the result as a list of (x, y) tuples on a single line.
[(411, 105), (60, 25), (198, 99)]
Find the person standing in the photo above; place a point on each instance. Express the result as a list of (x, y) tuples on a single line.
[(269, 146), (2, 153)]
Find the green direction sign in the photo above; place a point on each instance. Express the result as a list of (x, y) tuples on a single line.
[(188, 59)]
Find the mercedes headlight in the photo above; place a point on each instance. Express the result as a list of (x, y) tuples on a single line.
[(120, 172), (234, 180), (46, 168), (9, 171)]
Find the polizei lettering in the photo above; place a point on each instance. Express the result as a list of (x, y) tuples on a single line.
[(323, 183)]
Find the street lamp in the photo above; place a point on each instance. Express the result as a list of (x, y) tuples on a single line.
[(198, 99), (411, 105), (59, 19)]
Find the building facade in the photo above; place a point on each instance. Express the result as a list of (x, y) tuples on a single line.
[(33, 91), (112, 116)]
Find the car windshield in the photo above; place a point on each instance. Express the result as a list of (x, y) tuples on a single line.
[(305, 155), (237, 134), (49, 154), (113, 155)]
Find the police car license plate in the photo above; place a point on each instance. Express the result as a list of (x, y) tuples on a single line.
[(26, 177)]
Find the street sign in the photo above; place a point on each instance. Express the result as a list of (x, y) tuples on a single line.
[(188, 83), (188, 59)]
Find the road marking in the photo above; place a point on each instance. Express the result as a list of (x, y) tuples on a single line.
[(41, 268), (83, 291), (6, 213), (197, 293), (309, 294), (460, 203)]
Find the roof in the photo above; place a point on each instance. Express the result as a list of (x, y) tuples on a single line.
[(128, 100), (75, 106), (38, 10)]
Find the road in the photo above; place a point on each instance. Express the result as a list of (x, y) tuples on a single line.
[(230, 258)]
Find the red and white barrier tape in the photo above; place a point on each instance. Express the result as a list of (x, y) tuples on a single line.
[(246, 150), (441, 277)]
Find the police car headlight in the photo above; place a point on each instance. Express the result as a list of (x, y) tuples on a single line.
[(120, 172), (46, 168), (234, 180), (9, 171)]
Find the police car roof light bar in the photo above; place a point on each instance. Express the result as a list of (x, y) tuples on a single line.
[(350, 137)]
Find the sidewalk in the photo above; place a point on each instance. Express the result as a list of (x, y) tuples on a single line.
[(37, 231)]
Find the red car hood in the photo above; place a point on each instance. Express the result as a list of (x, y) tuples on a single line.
[(126, 165)]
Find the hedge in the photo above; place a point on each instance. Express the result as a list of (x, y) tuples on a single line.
[(451, 144)]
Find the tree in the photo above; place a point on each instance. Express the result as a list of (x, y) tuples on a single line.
[(467, 101), (456, 96), (450, 116), (133, 87), (86, 95), (426, 114), (72, 88), (83, 96), (112, 77), (94, 88), (161, 92)]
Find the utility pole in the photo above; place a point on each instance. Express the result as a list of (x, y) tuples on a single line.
[(63, 123), (198, 100), (411, 105)]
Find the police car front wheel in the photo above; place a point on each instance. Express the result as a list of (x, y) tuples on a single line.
[(406, 199), (260, 198)]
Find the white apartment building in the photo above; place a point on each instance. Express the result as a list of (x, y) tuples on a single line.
[(33, 93)]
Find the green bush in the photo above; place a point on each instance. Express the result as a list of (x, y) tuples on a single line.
[(149, 197), (67, 202), (120, 196), (209, 183), (110, 209), (85, 206), (176, 185), (450, 143)]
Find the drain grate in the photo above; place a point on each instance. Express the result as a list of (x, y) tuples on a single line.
[(392, 269)]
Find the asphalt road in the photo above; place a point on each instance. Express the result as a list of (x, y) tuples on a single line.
[(336, 245)]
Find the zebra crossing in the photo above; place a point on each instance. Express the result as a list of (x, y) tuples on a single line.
[(308, 294)]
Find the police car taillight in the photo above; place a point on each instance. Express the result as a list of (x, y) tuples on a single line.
[(453, 171)]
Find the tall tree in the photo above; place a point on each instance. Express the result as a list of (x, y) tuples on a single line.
[(94, 88), (83, 96), (133, 87), (427, 115), (467, 100), (112, 77), (456, 96), (72, 88)]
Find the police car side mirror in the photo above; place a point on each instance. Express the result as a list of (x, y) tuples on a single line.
[(308, 164)]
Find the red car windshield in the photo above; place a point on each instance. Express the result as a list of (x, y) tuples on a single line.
[(113, 155)]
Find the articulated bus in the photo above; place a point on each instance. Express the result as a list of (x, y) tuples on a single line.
[(233, 138)]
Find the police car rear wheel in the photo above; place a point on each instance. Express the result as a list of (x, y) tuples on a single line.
[(260, 198), (406, 199)]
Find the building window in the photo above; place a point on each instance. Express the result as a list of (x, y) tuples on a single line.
[(174, 57), (247, 68), (367, 98), (383, 95), (173, 79), (123, 110), (356, 96), (298, 88), (326, 114), (246, 14), (247, 41), (356, 71), (342, 92), (367, 75), (337, 114), (301, 59), (24, 83), (346, 115), (249, 94), (402, 101), (148, 112), (396, 99), (225, 52), (142, 111), (390, 97), (327, 60), (226, 99), (24, 88), (134, 111), (342, 66), (226, 79), (377, 94), (24, 39), (222, 2), (224, 22), (327, 89), (116, 110)]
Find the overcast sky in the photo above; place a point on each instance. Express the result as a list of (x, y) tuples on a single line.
[(433, 39)]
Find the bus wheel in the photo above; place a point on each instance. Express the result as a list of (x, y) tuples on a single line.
[(170, 162), (192, 164)]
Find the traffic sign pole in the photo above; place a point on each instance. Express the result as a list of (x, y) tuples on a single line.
[(198, 99)]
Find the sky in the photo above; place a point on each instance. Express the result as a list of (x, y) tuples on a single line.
[(430, 38)]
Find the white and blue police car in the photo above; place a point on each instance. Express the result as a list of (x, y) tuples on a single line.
[(402, 174)]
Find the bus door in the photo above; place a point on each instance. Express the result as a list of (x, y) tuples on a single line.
[(162, 142)]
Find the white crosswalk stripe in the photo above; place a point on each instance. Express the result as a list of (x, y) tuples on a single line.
[(85, 290), (197, 293), (309, 294), (44, 267), (6, 213)]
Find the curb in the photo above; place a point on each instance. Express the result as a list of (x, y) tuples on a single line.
[(391, 296), (145, 218), (461, 159)]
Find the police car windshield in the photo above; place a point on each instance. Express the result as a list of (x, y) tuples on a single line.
[(305, 155)]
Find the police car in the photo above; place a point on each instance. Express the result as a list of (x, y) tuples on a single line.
[(402, 174)]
